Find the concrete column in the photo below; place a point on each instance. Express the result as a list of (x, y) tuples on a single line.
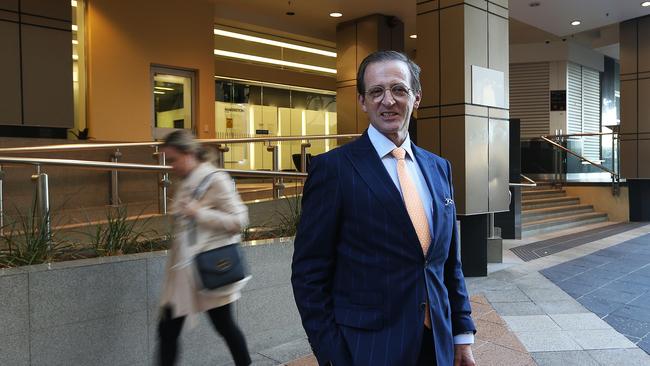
[(462, 48), (635, 113), (356, 39), (635, 92)]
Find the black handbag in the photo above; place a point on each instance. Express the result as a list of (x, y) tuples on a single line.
[(220, 266)]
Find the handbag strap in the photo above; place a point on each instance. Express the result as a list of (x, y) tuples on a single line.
[(200, 189)]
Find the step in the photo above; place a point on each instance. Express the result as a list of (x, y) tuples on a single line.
[(542, 193), (549, 202), (558, 211), (560, 223)]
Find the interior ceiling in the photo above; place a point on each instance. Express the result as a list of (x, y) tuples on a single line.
[(550, 20)]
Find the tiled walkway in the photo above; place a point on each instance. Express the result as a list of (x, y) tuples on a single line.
[(598, 313), (554, 327), (614, 284)]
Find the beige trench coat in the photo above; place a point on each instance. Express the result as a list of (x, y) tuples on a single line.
[(219, 221)]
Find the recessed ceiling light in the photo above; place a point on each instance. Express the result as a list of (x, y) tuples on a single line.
[(414, 36), (645, 3), (336, 15), (575, 22)]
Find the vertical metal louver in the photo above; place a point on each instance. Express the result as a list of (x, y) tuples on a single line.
[(591, 112), (583, 107), (529, 98), (574, 98)]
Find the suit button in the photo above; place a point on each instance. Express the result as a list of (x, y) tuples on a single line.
[(423, 306)]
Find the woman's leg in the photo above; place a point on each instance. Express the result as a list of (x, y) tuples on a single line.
[(224, 323), (168, 331)]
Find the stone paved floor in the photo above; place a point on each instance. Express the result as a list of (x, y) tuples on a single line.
[(614, 284)]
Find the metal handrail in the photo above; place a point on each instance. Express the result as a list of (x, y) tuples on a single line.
[(531, 183), (100, 146), (615, 176), (100, 165)]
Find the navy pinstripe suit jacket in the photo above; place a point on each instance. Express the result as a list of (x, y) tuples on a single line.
[(359, 276)]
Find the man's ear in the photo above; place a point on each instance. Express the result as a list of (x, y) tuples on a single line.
[(361, 98), (418, 98)]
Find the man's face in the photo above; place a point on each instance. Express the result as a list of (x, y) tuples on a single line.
[(389, 112)]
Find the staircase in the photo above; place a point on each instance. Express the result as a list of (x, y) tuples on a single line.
[(546, 209)]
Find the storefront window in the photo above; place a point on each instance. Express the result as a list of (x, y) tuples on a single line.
[(248, 109)]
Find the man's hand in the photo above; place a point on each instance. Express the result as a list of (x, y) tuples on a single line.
[(463, 355)]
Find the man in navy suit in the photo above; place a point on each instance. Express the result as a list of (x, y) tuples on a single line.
[(376, 269)]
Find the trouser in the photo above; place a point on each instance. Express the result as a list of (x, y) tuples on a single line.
[(170, 328), (427, 352)]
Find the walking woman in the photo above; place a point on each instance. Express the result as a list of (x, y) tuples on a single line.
[(214, 219)]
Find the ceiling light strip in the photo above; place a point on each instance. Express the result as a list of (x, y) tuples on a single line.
[(277, 85), (273, 61), (245, 37)]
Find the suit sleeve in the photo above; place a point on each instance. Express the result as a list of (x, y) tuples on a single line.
[(461, 320), (314, 261)]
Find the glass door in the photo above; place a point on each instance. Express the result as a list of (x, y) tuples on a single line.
[(173, 100)]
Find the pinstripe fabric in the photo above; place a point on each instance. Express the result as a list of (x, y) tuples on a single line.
[(358, 273), (414, 208)]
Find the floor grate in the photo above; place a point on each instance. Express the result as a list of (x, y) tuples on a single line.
[(547, 247)]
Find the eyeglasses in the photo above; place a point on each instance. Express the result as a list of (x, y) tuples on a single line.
[(398, 91)]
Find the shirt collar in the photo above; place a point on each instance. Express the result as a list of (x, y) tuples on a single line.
[(384, 146)]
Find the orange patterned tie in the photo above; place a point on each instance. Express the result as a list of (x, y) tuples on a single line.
[(414, 208)]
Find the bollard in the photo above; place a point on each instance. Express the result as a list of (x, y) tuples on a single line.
[(115, 195), (278, 185), (303, 156), (221, 150), (43, 205), (163, 183)]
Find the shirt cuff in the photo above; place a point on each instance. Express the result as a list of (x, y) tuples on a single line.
[(464, 338)]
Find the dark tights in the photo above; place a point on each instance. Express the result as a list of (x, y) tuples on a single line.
[(170, 328)]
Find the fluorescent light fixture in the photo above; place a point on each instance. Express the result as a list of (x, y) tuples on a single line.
[(246, 37), (273, 61), (576, 22), (277, 85), (162, 88), (158, 92), (336, 14), (413, 36), (645, 4), (74, 41), (73, 3), (74, 28)]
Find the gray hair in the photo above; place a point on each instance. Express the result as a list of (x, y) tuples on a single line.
[(382, 56)]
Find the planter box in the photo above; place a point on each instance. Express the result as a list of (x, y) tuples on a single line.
[(104, 311)]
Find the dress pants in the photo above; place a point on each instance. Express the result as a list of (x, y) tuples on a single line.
[(170, 328), (427, 352)]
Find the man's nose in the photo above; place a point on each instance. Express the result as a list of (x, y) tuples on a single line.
[(388, 98)]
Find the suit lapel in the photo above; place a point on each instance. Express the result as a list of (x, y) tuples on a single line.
[(367, 163)]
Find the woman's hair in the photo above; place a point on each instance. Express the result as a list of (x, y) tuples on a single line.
[(184, 141)]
